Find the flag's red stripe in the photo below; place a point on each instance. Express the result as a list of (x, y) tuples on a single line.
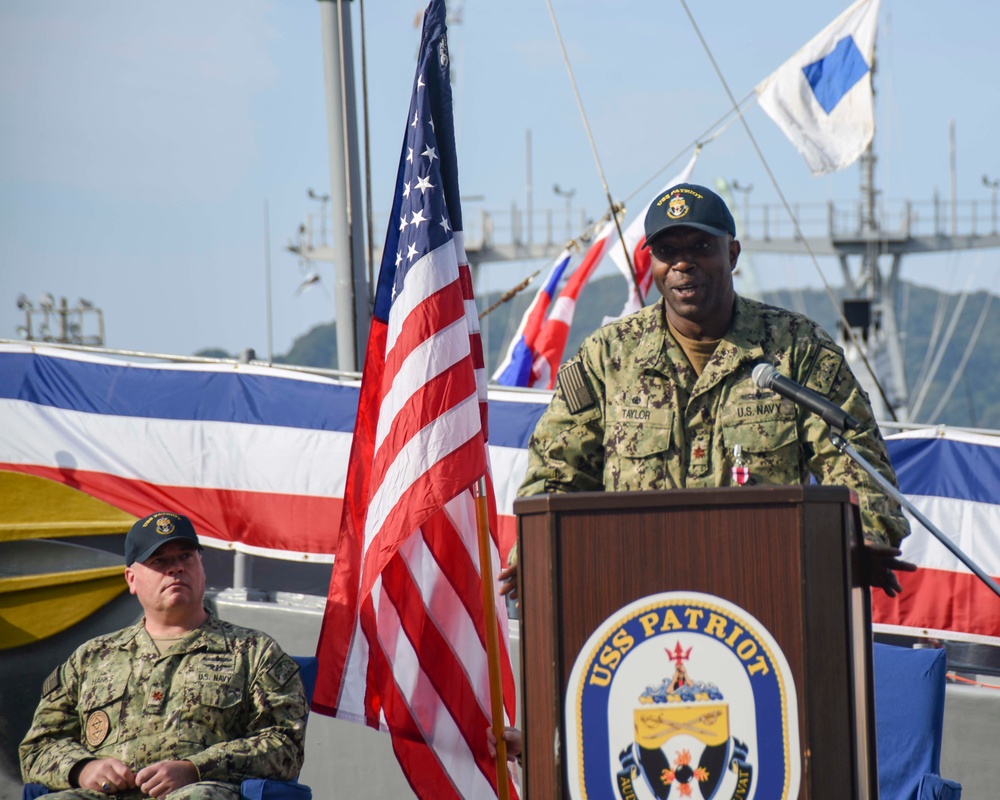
[(340, 616), (422, 408), (461, 572), (941, 600), (430, 316), (418, 760), (444, 668), (418, 501), (465, 281), (476, 344)]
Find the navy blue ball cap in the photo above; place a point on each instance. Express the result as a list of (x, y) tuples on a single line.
[(150, 533), (691, 206)]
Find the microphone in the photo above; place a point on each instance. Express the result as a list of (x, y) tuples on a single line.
[(767, 377)]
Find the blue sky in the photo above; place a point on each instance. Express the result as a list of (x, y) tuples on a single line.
[(139, 141)]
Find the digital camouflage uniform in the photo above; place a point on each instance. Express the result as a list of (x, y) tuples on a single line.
[(630, 413), (225, 698)]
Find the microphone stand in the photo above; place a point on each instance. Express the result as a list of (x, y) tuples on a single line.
[(836, 436)]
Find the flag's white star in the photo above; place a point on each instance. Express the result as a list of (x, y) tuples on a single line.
[(402, 222), (430, 152), (423, 184), (406, 190), (418, 217), (420, 82), (409, 155), (411, 252), (445, 224), (399, 257), (416, 116)]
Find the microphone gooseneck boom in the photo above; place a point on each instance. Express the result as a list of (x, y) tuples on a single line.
[(767, 377)]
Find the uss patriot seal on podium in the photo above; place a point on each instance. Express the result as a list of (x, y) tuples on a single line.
[(682, 695)]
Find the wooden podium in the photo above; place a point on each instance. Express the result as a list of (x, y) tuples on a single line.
[(786, 555)]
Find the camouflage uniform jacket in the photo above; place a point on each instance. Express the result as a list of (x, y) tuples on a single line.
[(630, 413), (225, 698)]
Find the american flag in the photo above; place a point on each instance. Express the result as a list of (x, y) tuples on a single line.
[(403, 642)]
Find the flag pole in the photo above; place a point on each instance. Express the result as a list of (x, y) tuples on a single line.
[(492, 639)]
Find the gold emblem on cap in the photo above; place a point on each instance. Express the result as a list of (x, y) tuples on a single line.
[(678, 207), (164, 526), (98, 725)]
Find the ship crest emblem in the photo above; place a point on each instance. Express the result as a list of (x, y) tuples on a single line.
[(682, 740), (677, 207), (682, 695), (164, 526)]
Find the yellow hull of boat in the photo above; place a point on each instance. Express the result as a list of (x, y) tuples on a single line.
[(36, 606)]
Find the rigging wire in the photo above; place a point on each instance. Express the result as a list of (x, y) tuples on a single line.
[(942, 348), (613, 207), (932, 341), (960, 369), (510, 294), (904, 320), (849, 332), (712, 132)]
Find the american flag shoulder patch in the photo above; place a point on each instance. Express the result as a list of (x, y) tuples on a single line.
[(53, 682), (575, 388)]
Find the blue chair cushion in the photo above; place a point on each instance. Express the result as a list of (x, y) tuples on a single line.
[(250, 789), (909, 715), (933, 787), (308, 669), (264, 789)]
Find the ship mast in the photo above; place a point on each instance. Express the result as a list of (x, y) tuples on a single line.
[(351, 292)]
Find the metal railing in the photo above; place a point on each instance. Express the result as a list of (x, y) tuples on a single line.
[(894, 218), (484, 229), (487, 229)]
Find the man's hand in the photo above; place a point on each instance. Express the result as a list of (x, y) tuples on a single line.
[(108, 775), (879, 564), (163, 777), (512, 736), (508, 581)]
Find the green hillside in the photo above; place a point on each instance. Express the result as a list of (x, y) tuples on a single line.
[(922, 311)]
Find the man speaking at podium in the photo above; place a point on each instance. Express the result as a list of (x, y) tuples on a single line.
[(666, 398)]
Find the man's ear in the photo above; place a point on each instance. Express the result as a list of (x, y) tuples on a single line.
[(734, 253), (130, 579)]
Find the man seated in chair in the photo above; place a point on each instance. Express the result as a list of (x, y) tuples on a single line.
[(180, 705)]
